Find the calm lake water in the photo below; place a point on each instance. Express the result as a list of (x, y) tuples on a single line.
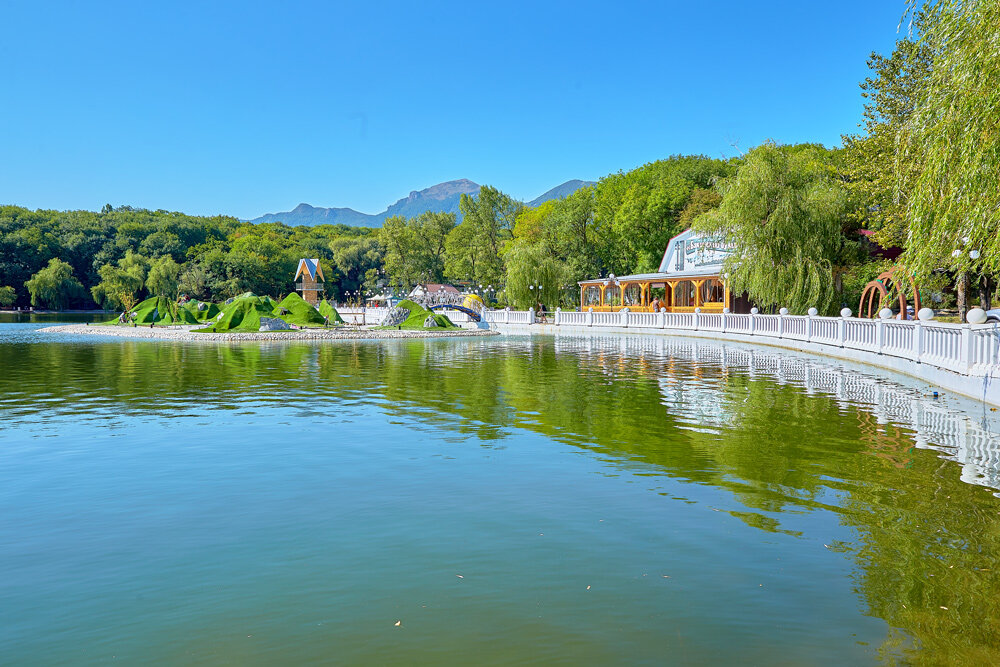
[(488, 501)]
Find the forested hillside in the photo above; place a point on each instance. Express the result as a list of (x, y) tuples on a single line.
[(78, 258)]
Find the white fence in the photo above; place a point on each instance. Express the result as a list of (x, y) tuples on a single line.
[(962, 348)]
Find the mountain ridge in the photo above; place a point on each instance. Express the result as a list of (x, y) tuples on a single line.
[(442, 197)]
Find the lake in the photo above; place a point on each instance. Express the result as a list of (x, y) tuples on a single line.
[(616, 500)]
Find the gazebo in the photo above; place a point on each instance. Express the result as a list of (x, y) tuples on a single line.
[(689, 275)]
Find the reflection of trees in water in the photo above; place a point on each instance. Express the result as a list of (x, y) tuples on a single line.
[(782, 433)]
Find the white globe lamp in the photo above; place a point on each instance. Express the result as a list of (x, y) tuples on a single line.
[(976, 316), (925, 314), (845, 312), (885, 313)]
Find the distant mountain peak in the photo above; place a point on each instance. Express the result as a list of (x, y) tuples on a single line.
[(441, 198)]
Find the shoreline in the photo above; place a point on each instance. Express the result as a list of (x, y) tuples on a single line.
[(185, 333)]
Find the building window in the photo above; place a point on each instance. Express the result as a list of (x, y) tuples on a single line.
[(633, 295), (592, 296), (712, 291), (678, 255), (684, 294)]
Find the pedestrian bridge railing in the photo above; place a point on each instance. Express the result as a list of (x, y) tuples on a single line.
[(963, 348)]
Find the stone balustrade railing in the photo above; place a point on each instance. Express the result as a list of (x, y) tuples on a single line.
[(962, 348)]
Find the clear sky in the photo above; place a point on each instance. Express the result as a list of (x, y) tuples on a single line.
[(249, 107)]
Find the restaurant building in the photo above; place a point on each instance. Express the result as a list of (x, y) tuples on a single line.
[(689, 277)]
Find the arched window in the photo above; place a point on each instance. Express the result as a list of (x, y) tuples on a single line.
[(712, 291), (684, 294)]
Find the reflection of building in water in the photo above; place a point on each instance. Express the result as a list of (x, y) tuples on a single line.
[(972, 443)]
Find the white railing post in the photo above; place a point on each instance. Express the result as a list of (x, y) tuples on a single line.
[(781, 324), (918, 340), (753, 321), (697, 312), (663, 318), (880, 334), (506, 316), (590, 316), (558, 313), (724, 313), (841, 331), (623, 314), (809, 327), (967, 351), (531, 315)]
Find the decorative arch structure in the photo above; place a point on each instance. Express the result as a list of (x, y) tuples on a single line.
[(893, 284)]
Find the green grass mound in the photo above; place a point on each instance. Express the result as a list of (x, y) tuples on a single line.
[(160, 310), (296, 310), (418, 315), (210, 312), (242, 315), (326, 309)]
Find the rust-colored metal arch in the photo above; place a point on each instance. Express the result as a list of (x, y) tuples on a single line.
[(894, 280)]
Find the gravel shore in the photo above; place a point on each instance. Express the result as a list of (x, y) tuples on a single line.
[(184, 333)]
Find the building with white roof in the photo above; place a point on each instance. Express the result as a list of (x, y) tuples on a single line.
[(690, 276)]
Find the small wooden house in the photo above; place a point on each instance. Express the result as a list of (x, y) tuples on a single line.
[(312, 280)]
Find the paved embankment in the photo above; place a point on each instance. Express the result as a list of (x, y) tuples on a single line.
[(185, 333)]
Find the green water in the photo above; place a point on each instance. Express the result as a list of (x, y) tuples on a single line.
[(505, 500)]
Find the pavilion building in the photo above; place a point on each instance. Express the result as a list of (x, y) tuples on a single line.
[(312, 280), (690, 276)]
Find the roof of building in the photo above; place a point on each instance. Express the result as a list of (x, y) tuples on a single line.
[(687, 255), (310, 268)]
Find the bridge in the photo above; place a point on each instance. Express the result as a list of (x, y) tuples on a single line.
[(473, 315)]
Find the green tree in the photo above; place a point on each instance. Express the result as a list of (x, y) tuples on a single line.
[(163, 278), (872, 162), (118, 288), (7, 296), (193, 281), (952, 204), (55, 286), (488, 221), (400, 249), (783, 212), (353, 259), (528, 267)]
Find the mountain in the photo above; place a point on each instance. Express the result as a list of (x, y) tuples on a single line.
[(560, 191), (443, 198)]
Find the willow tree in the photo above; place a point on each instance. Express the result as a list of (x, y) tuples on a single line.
[(783, 213), (953, 207), (533, 275)]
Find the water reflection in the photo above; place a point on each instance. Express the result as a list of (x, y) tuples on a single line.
[(789, 438)]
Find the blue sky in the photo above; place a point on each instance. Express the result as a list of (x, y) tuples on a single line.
[(244, 108)]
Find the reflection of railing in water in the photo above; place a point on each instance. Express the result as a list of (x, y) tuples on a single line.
[(975, 445)]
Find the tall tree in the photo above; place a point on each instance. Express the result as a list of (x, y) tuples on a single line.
[(876, 175), (8, 296), (953, 206), (488, 220), (163, 277), (783, 212), (55, 286)]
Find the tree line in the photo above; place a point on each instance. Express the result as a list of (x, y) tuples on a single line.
[(115, 257), (919, 175)]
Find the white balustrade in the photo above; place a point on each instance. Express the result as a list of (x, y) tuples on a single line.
[(963, 348)]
